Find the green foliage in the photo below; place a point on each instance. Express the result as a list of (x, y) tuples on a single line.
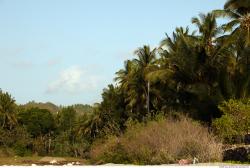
[(66, 118), (7, 110), (18, 139), (109, 151), (192, 72), (235, 120), (37, 121), (82, 109), (22, 150)]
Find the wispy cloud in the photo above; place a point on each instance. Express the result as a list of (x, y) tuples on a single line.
[(74, 80), (23, 64), (16, 58), (54, 61), (124, 55), (11, 52)]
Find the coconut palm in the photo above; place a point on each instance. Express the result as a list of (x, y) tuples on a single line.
[(237, 11), (123, 75), (239, 40), (7, 110), (208, 31), (145, 61), (195, 61), (240, 6), (90, 124)]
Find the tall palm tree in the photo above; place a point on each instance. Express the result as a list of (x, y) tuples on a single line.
[(90, 124), (133, 81), (145, 55), (238, 11), (145, 60), (219, 57), (239, 40), (195, 63), (7, 110), (208, 31), (123, 75)]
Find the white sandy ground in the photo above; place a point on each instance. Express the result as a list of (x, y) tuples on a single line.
[(205, 165)]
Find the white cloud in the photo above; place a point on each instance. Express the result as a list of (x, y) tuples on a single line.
[(74, 80)]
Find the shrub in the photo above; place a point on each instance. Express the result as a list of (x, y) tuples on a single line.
[(18, 139), (22, 150), (235, 120), (69, 144), (6, 152), (160, 142), (109, 151)]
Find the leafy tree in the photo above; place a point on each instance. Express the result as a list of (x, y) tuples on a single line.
[(38, 122), (235, 120)]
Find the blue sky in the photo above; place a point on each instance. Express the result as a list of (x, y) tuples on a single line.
[(67, 51)]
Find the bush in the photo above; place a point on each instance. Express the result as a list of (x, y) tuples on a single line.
[(22, 150), (6, 152), (109, 151), (68, 144), (38, 146), (235, 120), (18, 139), (160, 142)]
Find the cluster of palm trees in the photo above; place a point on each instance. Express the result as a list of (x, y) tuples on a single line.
[(190, 72)]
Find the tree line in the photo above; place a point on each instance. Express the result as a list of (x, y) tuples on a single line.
[(191, 72)]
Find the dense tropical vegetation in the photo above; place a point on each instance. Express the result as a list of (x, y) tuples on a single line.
[(204, 74)]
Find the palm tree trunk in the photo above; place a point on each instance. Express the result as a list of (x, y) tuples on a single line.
[(4, 121), (248, 47), (49, 145), (148, 98)]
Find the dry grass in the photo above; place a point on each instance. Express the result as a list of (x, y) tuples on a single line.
[(160, 142)]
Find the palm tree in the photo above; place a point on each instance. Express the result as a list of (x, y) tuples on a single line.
[(219, 57), (239, 40), (238, 11), (134, 83), (90, 124), (7, 110), (195, 61), (146, 58), (112, 109), (240, 6), (208, 31), (123, 75)]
